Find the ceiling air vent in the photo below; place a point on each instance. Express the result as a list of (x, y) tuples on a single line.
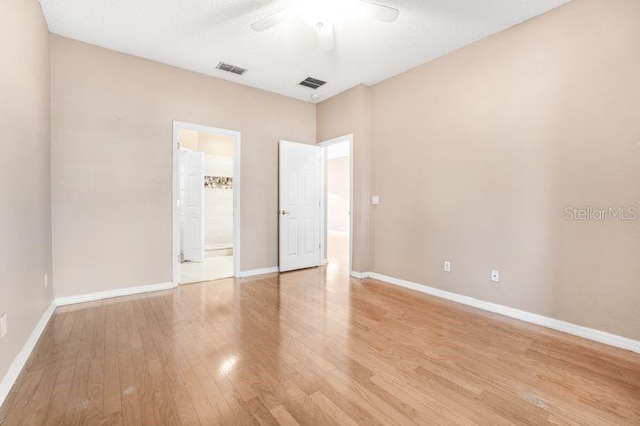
[(231, 68), (313, 83)]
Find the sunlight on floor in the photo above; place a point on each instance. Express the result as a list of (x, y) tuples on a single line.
[(214, 267), (338, 253)]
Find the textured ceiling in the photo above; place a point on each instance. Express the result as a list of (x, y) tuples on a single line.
[(197, 34)]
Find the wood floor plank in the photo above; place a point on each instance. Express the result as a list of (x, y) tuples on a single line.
[(282, 416), (313, 347), (21, 403), (112, 395)]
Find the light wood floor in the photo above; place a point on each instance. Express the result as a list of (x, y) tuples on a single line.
[(313, 347)]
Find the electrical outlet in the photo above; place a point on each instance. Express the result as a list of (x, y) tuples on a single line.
[(495, 276), (447, 266), (3, 325), (375, 200), (46, 280)]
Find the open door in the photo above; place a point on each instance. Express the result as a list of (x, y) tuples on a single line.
[(193, 207), (300, 211)]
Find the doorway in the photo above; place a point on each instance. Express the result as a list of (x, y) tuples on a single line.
[(206, 203), (338, 204)]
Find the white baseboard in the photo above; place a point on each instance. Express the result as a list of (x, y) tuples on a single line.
[(263, 271), (567, 327), (359, 275), (71, 300), (21, 359)]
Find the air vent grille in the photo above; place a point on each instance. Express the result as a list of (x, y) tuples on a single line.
[(231, 68), (312, 83)]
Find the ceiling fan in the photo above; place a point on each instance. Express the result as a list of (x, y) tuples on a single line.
[(321, 15)]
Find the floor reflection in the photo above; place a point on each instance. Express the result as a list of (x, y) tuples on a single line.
[(311, 347)]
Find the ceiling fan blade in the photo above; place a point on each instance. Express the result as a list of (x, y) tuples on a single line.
[(272, 20), (325, 36), (377, 11)]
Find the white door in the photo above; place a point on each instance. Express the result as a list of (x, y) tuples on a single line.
[(193, 208), (299, 211)]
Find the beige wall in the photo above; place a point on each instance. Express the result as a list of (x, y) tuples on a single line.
[(25, 212), (476, 155), (348, 113), (112, 159)]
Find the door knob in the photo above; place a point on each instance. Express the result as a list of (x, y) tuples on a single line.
[(284, 212)]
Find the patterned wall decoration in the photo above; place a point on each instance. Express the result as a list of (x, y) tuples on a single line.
[(218, 182)]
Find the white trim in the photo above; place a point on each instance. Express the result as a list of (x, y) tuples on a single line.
[(21, 359), (128, 291), (359, 275), (323, 241), (567, 327), (323, 206), (263, 271), (175, 217)]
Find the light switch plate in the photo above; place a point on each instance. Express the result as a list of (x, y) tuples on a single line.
[(46, 280), (3, 325), (495, 276), (375, 200)]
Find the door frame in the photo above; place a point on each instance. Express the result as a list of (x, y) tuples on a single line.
[(323, 198), (175, 216)]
